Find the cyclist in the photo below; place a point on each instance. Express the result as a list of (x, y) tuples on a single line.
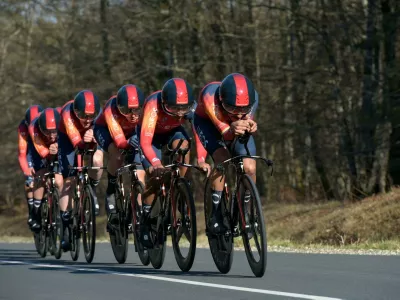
[(164, 114), (76, 130), (43, 134), (24, 157), (115, 129), (225, 110)]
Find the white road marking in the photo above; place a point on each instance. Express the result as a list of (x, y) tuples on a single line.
[(198, 283)]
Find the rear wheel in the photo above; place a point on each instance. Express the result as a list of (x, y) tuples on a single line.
[(221, 246), (184, 232), (75, 232), (136, 191), (254, 236), (119, 233), (89, 224)]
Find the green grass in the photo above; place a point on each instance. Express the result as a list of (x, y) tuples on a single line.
[(373, 223)]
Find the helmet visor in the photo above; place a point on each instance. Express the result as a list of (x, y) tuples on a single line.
[(83, 116), (237, 110), (129, 111), (178, 110)]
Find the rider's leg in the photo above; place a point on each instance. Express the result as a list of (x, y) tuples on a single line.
[(29, 201), (38, 191), (115, 161), (248, 163), (95, 175), (173, 140), (211, 140)]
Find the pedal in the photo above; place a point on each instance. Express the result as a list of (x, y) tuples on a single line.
[(130, 228), (236, 232)]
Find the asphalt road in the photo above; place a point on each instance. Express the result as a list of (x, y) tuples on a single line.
[(24, 275)]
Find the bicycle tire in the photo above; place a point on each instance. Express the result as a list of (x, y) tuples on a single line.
[(138, 188), (75, 231), (188, 225), (157, 253), (258, 267), (43, 241), (89, 242), (222, 258), (36, 242), (119, 235), (56, 226)]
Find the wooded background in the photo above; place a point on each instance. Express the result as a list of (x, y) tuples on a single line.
[(327, 72)]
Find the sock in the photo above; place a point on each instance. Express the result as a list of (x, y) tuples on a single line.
[(112, 180), (30, 205), (146, 208), (216, 199), (36, 205), (94, 183)]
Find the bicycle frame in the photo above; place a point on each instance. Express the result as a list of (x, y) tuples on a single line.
[(174, 170), (238, 164), (132, 171), (48, 188), (82, 176)]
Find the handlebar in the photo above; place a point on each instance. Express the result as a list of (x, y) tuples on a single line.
[(127, 168), (178, 150)]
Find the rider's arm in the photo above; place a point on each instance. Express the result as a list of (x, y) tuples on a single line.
[(149, 121), (23, 149), (72, 131), (254, 108), (38, 142), (216, 115), (201, 151), (115, 129)]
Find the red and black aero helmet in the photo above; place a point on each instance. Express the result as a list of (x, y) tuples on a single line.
[(130, 99), (237, 94), (86, 105), (32, 112), (177, 97), (49, 120)]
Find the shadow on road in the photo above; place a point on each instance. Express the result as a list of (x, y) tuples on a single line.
[(32, 256)]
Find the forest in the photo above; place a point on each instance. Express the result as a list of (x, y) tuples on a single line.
[(327, 73)]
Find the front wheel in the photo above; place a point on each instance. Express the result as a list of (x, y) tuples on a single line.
[(252, 226), (119, 232), (42, 234), (221, 246), (89, 224), (183, 229), (56, 226)]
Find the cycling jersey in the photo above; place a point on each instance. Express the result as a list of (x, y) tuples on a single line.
[(119, 127), (71, 126), (39, 141), (23, 138), (212, 122), (154, 121)]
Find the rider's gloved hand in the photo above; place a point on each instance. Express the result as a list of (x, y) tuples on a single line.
[(157, 171), (133, 142), (29, 181)]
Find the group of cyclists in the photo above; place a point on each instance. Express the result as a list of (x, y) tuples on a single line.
[(128, 120)]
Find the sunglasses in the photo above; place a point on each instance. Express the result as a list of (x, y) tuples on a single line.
[(84, 116), (49, 132), (129, 111), (177, 109), (237, 110)]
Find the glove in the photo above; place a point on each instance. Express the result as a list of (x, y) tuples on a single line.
[(28, 180), (133, 142)]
